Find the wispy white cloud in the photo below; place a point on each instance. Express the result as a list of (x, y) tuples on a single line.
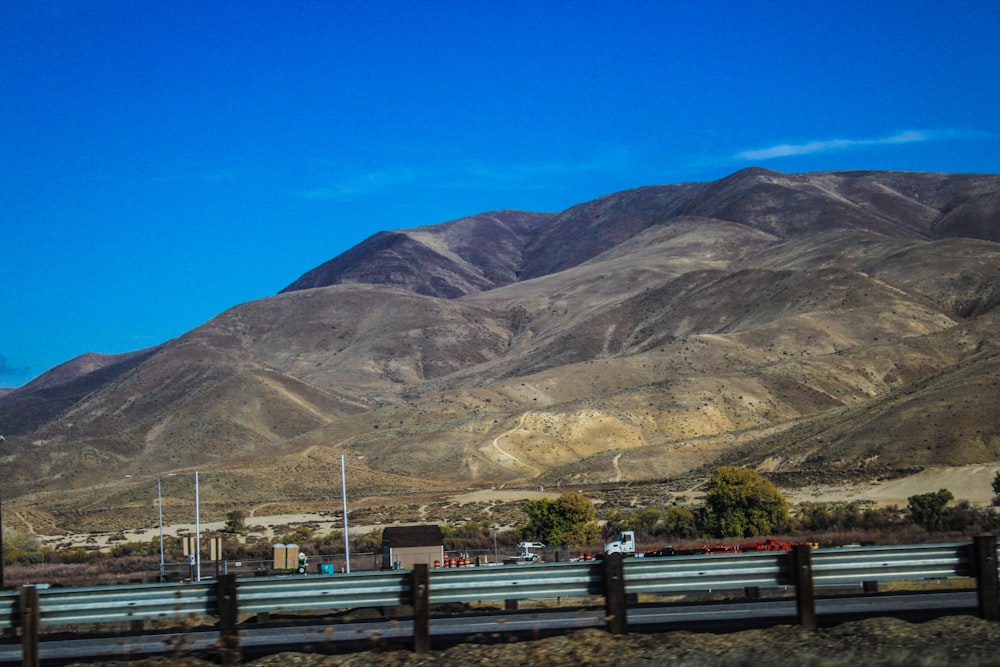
[(830, 145)]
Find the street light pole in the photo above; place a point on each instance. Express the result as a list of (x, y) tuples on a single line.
[(496, 553), (197, 530), (197, 526), (343, 494), (159, 503)]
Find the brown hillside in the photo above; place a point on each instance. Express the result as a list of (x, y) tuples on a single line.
[(812, 325)]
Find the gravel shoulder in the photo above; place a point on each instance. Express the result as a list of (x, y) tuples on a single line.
[(957, 640)]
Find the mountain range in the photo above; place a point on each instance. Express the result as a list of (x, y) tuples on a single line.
[(812, 326)]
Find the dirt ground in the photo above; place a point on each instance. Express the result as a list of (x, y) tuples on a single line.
[(962, 641), (971, 483)]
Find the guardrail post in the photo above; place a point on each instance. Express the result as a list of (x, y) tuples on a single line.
[(984, 548), (805, 595), (228, 610), (614, 594), (420, 592), (28, 613)]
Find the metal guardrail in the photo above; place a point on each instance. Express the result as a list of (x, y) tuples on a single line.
[(669, 574), (612, 579), (550, 580), (855, 565), (124, 603), (324, 592), (8, 609), (831, 566), (840, 566)]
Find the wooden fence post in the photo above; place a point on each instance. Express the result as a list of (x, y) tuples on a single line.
[(28, 614), (614, 594), (984, 563), (420, 591), (229, 613), (805, 595)]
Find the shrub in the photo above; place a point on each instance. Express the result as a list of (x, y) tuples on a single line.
[(570, 519), (680, 522), (741, 503), (22, 548), (235, 522), (929, 509)]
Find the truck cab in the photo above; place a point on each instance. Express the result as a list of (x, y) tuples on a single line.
[(624, 544)]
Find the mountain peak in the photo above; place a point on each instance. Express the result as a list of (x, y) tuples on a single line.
[(831, 322)]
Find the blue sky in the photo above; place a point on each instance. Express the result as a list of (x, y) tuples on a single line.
[(162, 161)]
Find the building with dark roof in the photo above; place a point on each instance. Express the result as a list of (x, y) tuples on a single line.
[(403, 546)]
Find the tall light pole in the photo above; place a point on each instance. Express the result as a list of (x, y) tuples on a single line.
[(197, 525), (496, 552), (159, 503), (343, 493)]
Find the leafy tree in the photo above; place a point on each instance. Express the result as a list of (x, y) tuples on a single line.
[(996, 484), (235, 522), (580, 516), (740, 503), (680, 522), (570, 519), (22, 548), (541, 519), (929, 509)]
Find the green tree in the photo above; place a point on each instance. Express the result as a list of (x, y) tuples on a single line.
[(22, 548), (740, 503), (929, 510), (570, 519), (235, 522), (680, 522)]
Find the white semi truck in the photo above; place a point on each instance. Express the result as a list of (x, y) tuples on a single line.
[(624, 544)]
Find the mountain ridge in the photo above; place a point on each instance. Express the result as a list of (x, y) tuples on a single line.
[(792, 323)]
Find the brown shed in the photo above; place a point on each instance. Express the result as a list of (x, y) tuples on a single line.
[(407, 545)]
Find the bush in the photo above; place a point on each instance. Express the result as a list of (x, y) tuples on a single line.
[(21, 548), (681, 522), (235, 522), (571, 519), (741, 503), (299, 536), (929, 509)]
